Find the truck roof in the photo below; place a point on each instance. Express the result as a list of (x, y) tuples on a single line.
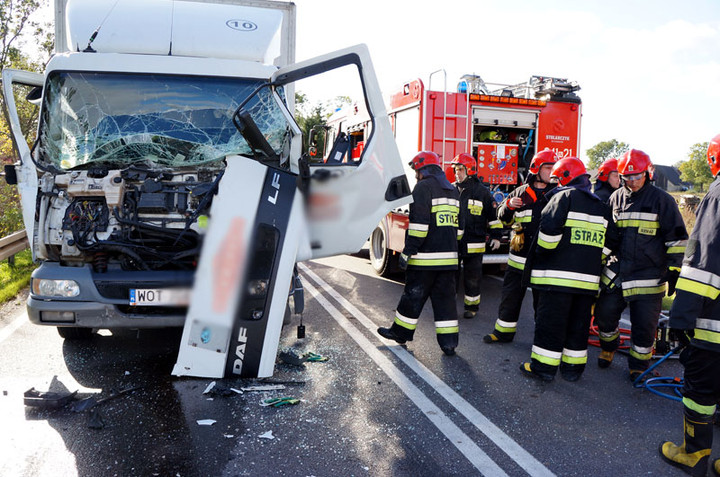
[(259, 31)]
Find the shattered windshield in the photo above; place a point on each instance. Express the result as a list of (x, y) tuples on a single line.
[(116, 119)]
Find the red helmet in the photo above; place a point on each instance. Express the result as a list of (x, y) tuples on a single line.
[(610, 165), (545, 156), (713, 155), (633, 162), (425, 158), (466, 160), (567, 169)]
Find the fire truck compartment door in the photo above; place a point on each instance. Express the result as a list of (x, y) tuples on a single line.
[(27, 173), (505, 118), (346, 201)]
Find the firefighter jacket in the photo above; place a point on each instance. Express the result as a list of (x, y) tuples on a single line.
[(477, 207), (575, 235), (696, 304), (526, 218), (431, 241), (603, 191), (653, 240)]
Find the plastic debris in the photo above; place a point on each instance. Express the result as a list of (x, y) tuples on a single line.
[(266, 387), (91, 402), (291, 356), (279, 402), (209, 387), (215, 389), (315, 358), (267, 435), (47, 400), (206, 422)]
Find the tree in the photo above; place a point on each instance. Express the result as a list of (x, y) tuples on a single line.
[(605, 150), (696, 169)]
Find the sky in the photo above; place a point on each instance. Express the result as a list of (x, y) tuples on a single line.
[(649, 71)]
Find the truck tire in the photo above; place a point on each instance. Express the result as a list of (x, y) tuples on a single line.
[(383, 261), (75, 333)]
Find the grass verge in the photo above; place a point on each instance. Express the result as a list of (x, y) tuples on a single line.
[(14, 279)]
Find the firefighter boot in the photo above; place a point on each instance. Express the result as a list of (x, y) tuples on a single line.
[(527, 370), (389, 334), (693, 455), (605, 359), (716, 467)]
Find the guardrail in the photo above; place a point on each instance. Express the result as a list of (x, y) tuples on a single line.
[(12, 244)]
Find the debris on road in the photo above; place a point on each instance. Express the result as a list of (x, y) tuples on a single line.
[(315, 358), (95, 420), (291, 356), (265, 387), (267, 435), (206, 422), (209, 387), (91, 402), (279, 402), (47, 400)]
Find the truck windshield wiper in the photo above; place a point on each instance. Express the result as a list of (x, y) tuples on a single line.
[(244, 123)]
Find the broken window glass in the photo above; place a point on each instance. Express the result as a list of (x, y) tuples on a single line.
[(117, 119)]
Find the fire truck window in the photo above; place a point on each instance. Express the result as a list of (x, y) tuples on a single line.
[(332, 113)]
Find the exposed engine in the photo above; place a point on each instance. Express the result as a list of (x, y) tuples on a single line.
[(132, 219)]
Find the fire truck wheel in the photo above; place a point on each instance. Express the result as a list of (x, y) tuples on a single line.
[(75, 333), (383, 261)]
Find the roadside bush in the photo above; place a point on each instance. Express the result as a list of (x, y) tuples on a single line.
[(15, 278)]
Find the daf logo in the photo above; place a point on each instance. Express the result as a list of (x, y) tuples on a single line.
[(241, 25)]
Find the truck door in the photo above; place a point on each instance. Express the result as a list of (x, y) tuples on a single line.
[(27, 176), (348, 198)]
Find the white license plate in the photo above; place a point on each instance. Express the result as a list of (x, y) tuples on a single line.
[(159, 296)]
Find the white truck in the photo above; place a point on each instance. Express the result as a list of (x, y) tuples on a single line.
[(167, 161)]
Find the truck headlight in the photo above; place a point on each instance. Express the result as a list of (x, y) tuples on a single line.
[(57, 288)]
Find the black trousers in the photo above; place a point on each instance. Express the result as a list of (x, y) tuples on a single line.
[(644, 315), (702, 376), (562, 326), (472, 276), (420, 285), (513, 293)]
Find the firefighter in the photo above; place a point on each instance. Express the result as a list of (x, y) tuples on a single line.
[(478, 208), (695, 320), (430, 256), (521, 209), (608, 180), (565, 266), (646, 264)]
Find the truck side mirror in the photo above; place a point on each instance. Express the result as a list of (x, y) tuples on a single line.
[(10, 174)]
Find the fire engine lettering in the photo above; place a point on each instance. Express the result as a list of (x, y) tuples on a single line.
[(557, 138), (593, 238), (240, 350), (446, 219), (276, 185)]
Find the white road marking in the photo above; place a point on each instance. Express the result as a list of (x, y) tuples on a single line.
[(459, 439), (19, 320), (523, 458)]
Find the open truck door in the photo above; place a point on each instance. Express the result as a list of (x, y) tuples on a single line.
[(271, 211), (25, 172)]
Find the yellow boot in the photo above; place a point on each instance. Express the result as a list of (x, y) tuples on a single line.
[(693, 455)]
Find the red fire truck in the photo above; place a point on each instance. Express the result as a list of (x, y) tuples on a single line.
[(502, 126)]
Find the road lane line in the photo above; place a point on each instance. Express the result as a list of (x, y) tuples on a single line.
[(522, 457), (12, 327), (452, 432)]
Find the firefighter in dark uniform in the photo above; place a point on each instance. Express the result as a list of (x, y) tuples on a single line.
[(647, 263), (695, 320), (608, 180), (430, 255), (478, 208), (565, 266), (521, 209)]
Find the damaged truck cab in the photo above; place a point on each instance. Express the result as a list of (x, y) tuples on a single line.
[(144, 106)]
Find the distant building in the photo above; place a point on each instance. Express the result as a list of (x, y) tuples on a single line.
[(668, 178)]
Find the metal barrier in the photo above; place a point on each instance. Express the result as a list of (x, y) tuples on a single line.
[(12, 244)]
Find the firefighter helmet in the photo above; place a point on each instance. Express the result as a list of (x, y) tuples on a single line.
[(713, 155), (610, 165), (466, 160), (634, 162), (567, 169), (423, 159), (546, 156)]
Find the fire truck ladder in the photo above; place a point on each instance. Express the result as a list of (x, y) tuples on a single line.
[(465, 116)]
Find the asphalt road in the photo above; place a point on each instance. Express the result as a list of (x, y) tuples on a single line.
[(373, 409)]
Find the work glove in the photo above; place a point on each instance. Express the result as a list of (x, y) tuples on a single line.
[(494, 244), (402, 261), (681, 336), (672, 278)]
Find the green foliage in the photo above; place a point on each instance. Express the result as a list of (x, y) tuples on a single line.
[(696, 169), (311, 116), (15, 278), (605, 150)]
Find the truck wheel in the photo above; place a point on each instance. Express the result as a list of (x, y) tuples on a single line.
[(75, 333), (383, 261)]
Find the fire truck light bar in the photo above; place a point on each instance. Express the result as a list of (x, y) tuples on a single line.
[(506, 99)]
